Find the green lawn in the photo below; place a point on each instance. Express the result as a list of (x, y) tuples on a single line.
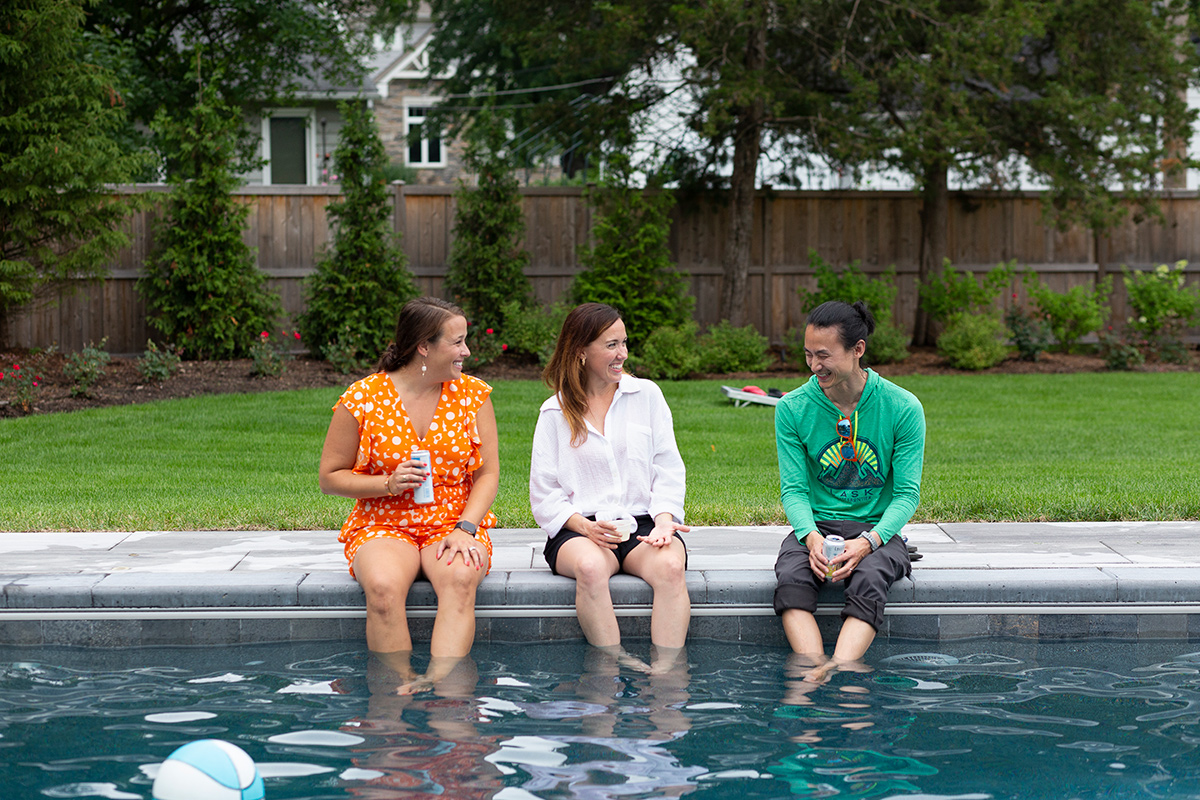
[(1000, 447)]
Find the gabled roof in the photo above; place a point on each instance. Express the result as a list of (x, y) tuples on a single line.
[(408, 63)]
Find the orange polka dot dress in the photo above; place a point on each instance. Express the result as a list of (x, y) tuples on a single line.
[(386, 439)]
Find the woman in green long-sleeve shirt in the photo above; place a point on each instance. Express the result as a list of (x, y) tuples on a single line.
[(851, 445)]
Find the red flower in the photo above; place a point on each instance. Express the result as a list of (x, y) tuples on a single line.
[(1014, 295), (502, 347), (1, 376), (489, 330), (16, 367), (296, 334), (265, 335)]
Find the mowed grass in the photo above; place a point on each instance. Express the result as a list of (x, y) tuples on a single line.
[(1000, 447)]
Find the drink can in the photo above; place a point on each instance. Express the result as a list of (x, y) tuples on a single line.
[(423, 494), (834, 545)]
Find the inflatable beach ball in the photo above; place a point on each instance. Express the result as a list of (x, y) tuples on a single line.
[(208, 769)]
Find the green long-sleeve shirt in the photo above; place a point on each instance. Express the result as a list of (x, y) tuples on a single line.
[(882, 488)]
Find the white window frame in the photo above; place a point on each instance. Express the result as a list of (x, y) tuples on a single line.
[(415, 102), (310, 141)]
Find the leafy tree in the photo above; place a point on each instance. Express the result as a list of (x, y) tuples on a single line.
[(58, 116), (1086, 96), (486, 266), (358, 289), (258, 52), (629, 266), (578, 74), (202, 287)]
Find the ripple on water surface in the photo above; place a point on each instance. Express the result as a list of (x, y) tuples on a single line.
[(557, 720)]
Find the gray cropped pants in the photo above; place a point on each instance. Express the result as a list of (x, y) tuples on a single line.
[(867, 587)]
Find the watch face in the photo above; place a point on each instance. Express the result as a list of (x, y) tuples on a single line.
[(468, 527)]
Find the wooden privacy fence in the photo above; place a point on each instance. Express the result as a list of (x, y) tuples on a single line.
[(288, 227)]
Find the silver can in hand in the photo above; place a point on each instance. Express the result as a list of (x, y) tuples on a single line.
[(834, 546), (423, 494)]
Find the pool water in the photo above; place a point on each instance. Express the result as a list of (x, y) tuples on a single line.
[(560, 720)]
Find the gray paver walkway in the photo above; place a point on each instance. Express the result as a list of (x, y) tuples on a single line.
[(1126, 580)]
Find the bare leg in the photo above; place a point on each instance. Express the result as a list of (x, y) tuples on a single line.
[(591, 567), (802, 633), (853, 641), (455, 585), (386, 569), (663, 569)]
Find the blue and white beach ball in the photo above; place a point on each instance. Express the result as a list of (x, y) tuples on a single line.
[(208, 769)]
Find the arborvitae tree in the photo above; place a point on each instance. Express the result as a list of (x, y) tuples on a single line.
[(487, 263), (629, 266), (202, 287), (58, 117), (355, 295)]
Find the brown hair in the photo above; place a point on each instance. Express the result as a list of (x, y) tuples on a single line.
[(565, 373), (420, 322)]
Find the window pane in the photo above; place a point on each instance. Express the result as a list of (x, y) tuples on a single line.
[(435, 150), (288, 153)]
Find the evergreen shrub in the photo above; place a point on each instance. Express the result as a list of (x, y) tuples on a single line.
[(629, 266), (360, 284), (486, 269), (202, 287)]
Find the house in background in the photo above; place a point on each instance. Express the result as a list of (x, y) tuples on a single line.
[(297, 140)]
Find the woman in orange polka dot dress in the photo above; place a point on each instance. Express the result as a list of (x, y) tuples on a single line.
[(417, 400)]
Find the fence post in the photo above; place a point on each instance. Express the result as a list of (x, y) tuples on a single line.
[(399, 209)]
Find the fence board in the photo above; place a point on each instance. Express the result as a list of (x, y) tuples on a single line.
[(289, 228)]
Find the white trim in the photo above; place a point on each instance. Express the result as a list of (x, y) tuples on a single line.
[(411, 102), (310, 147)]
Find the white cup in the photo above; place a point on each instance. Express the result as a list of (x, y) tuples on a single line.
[(622, 522)]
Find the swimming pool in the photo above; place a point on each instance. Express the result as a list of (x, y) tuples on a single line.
[(991, 719)]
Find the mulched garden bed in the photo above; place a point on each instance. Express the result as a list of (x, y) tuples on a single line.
[(122, 383)]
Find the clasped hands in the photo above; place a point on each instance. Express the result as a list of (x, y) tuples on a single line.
[(856, 550)]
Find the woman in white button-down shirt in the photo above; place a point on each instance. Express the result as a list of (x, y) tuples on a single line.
[(604, 448)]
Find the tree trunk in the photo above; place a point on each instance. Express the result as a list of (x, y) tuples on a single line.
[(935, 217), (747, 145)]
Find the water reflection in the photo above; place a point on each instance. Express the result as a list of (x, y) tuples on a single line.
[(557, 720), (599, 735)]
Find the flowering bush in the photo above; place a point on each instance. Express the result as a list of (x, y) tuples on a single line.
[(485, 348), (86, 367), (1118, 352), (346, 353), (1074, 313), (269, 356), (158, 365), (1030, 332), (24, 384), (1163, 307)]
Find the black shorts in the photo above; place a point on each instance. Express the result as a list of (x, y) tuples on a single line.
[(867, 586), (645, 524)]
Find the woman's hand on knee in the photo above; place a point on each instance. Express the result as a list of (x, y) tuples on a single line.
[(663, 533), (462, 544)]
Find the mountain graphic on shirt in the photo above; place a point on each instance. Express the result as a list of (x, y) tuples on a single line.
[(841, 473)]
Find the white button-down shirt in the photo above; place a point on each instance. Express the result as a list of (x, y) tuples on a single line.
[(634, 466)]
